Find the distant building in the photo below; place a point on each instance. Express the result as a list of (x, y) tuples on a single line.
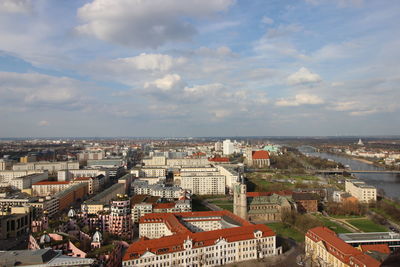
[(218, 146), (306, 202), (259, 159), (228, 147), (51, 167), (360, 190)]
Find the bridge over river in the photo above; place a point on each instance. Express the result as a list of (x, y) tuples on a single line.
[(342, 171)]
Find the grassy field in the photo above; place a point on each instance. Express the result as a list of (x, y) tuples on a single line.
[(285, 230), (366, 225), (346, 216), (333, 225), (223, 204)]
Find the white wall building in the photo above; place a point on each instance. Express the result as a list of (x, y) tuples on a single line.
[(360, 190), (230, 240), (51, 167), (228, 147)]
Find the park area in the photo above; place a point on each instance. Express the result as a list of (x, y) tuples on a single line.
[(366, 225)]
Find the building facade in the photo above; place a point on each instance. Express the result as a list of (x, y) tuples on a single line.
[(324, 248), (360, 190), (199, 239)]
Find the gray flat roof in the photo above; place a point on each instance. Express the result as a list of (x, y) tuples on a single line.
[(375, 236)]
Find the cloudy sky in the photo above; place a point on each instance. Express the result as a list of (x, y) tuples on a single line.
[(199, 67)]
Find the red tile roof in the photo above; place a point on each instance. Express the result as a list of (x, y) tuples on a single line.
[(338, 248), (163, 205), (51, 182), (174, 243), (259, 194), (384, 248), (219, 159), (260, 154)]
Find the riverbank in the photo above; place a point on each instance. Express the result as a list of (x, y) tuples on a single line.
[(363, 160)]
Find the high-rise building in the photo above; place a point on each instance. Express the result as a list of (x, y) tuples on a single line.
[(228, 147), (120, 223)]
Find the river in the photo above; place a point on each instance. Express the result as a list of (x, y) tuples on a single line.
[(389, 182)]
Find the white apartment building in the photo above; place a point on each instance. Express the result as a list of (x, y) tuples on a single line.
[(218, 146), (48, 188), (90, 155), (203, 181), (66, 175), (7, 176), (231, 176), (149, 172), (360, 190), (155, 161), (141, 209), (140, 187), (228, 147), (232, 240), (180, 162), (25, 182), (51, 167), (5, 164)]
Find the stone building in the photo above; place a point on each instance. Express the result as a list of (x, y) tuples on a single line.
[(260, 206)]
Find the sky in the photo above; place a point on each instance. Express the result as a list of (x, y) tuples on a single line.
[(199, 68)]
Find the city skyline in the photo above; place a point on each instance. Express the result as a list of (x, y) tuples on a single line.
[(199, 68)]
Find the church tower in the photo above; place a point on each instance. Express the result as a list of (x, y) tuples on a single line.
[(240, 199)]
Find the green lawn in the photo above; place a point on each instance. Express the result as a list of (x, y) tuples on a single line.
[(346, 216), (285, 230), (366, 225), (333, 225), (223, 204)]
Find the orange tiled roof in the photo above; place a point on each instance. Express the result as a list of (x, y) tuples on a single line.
[(260, 154), (174, 243), (163, 205), (384, 248), (172, 220), (219, 159), (338, 248), (270, 193)]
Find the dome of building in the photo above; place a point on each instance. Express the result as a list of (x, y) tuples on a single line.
[(97, 237), (71, 213)]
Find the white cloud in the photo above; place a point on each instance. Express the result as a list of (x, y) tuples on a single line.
[(303, 76), (39, 91), (267, 20), (43, 123), (15, 6), (142, 24), (221, 113), (150, 62), (165, 83), (300, 99), (206, 90), (336, 51)]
